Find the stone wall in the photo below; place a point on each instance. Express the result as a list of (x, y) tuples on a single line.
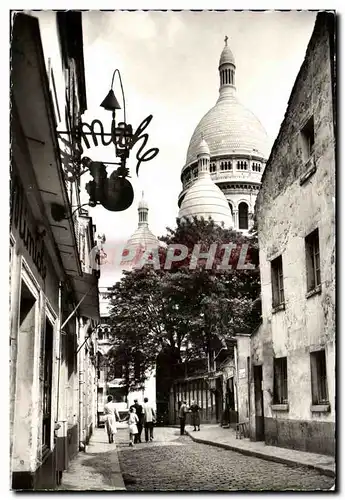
[(289, 207)]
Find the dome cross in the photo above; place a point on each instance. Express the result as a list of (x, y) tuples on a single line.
[(226, 40)]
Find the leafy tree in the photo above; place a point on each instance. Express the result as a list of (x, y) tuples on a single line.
[(185, 312)]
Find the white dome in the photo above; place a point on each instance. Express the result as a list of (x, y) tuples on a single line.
[(226, 57), (143, 237), (203, 148), (229, 129), (205, 199)]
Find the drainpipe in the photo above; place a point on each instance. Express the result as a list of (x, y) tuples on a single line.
[(236, 385), (82, 444), (59, 319)]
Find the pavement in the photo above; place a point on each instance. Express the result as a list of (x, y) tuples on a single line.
[(176, 463), (215, 435), (96, 469)]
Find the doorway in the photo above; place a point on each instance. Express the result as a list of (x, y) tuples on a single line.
[(259, 404)]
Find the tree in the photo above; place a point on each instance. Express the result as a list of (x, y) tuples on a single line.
[(187, 309)]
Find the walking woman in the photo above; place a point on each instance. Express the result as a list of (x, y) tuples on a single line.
[(111, 415), (195, 415)]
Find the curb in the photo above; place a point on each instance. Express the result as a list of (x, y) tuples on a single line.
[(264, 456)]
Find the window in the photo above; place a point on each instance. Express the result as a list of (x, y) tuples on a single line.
[(232, 209), (243, 216), (318, 377), (256, 167), (280, 388), (277, 281), (313, 260), (47, 383), (118, 372), (241, 165), (212, 167), (307, 139), (195, 173)]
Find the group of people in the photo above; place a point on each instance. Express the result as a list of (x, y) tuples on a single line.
[(139, 416), (194, 411)]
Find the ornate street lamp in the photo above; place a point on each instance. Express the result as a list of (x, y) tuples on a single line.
[(114, 193)]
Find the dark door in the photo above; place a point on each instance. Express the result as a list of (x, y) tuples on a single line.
[(219, 399), (259, 404)]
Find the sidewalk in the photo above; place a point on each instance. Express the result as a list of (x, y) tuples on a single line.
[(215, 435), (97, 469)]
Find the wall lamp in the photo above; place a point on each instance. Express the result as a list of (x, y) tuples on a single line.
[(113, 192)]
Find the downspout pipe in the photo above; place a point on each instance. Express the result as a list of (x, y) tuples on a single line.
[(236, 372), (59, 352), (82, 442)]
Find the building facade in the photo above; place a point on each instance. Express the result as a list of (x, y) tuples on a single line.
[(53, 303), (292, 379), (238, 150)]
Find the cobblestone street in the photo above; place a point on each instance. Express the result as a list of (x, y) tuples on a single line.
[(174, 462)]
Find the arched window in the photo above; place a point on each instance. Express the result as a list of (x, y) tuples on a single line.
[(238, 165), (231, 208), (245, 165), (243, 216)]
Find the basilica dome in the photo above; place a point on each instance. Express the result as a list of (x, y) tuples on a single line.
[(229, 128)]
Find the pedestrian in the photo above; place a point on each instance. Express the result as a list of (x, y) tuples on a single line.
[(132, 425), (149, 419), (183, 413), (140, 414), (111, 415), (195, 415)]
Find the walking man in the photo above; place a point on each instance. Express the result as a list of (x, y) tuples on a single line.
[(149, 419), (140, 413), (183, 413)]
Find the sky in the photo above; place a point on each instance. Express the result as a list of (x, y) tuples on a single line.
[(169, 67)]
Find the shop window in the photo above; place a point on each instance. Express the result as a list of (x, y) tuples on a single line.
[(308, 139), (243, 215), (277, 282), (280, 387), (313, 260), (318, 377), (47, 384)]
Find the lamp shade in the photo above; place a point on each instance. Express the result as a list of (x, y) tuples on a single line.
[(110, 103)]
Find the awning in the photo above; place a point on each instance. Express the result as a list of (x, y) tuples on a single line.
[(86, 286)]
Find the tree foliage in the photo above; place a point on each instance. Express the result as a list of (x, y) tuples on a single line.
[(185, 312)]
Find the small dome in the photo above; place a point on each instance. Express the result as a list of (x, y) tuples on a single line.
[(203, 148), (205, 199), (143, 237), (226, 57)]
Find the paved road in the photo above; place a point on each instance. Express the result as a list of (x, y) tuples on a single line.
[(174, 462)]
